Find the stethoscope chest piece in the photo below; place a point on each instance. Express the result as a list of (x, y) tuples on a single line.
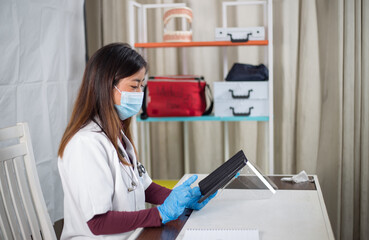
[(141, 169), (134, 186)]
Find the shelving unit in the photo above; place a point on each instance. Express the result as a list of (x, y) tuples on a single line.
[(143, 44)]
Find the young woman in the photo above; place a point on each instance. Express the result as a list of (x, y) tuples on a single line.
[(105, 187)]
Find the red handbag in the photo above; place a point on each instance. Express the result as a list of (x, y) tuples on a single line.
[(175, 96)]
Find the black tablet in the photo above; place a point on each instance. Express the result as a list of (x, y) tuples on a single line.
[(222, 175)]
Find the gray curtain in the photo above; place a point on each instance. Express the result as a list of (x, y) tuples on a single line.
[(343, 159), (320, 87)]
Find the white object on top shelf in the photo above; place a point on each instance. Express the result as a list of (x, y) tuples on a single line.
[(183, 35), (250, 33)]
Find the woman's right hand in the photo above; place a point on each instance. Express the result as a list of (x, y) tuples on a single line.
[(176, 202)]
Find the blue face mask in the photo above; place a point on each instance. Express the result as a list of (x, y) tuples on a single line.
[(130, 104)]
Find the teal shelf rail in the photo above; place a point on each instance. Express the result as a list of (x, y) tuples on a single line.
[(202, 118)]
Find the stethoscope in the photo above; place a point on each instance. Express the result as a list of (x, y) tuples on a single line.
[(140, 168), (133, 177), (131, 187), (131, 174)]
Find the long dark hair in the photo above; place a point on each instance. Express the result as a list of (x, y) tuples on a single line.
[(95, 98)]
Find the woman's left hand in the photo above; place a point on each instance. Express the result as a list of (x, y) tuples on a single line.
[(195, 197)]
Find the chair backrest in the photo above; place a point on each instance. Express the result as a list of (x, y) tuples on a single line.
[(23, 210)]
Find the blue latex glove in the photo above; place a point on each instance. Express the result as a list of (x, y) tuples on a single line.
[(195, 196), (177, 201)]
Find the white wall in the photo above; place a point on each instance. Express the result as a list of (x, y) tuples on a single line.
[(42, 58)]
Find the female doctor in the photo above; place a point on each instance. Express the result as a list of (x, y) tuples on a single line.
[(105, 187)]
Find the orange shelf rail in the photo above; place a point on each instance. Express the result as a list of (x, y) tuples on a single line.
[(199, 44)]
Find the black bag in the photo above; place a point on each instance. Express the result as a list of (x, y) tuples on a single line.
[(247, 72)]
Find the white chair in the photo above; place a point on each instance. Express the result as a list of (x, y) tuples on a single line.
[(23, 210)]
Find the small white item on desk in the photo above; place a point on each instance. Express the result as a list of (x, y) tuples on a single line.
[(221, 234), (299, 178)]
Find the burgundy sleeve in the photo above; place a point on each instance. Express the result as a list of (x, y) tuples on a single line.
[(114, 222), (156, 194)]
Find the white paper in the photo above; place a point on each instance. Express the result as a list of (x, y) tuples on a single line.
[(221, 234)]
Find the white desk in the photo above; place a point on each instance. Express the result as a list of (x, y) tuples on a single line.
[(289, 214)]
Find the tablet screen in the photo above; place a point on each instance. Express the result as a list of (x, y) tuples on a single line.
[(222, 175)]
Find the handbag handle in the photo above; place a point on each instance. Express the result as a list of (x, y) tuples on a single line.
[(240, 40), (241, 114), (210, 109), (241, 96)]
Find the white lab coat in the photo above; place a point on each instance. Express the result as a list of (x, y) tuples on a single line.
[(94, 182)]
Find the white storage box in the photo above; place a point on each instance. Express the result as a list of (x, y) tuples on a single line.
[(245, 108), (255, 90), (241, 99), (250, 33)]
